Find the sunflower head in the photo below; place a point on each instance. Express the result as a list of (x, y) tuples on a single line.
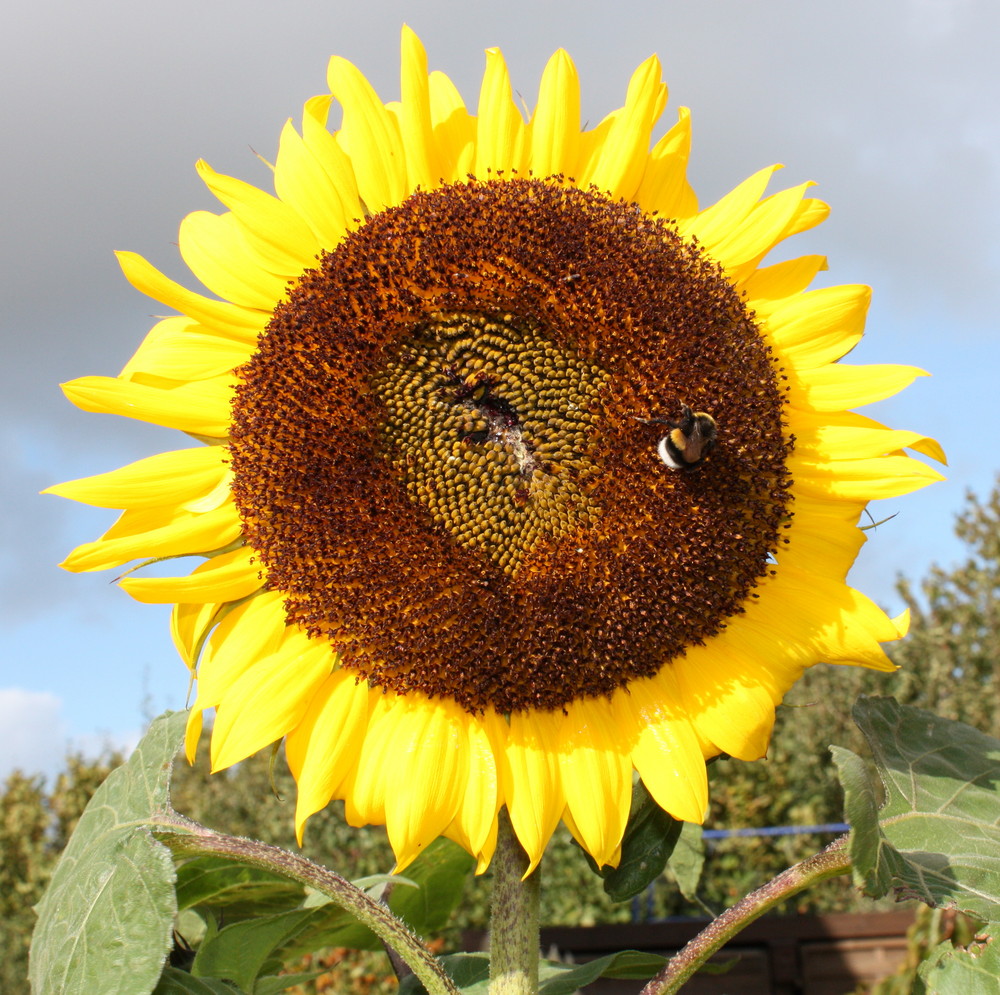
[(521, 473)]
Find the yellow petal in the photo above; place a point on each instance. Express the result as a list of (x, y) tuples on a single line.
[(225, 577), (621, 163), (454, 129), (555, 125), (762, 228), (431, 750), (190, 626), (238, 323), (818, 327), (592, 142), (664, 188), (334, 162), (370, 137), (724, 698), (499, 122), (422, 168), (167, 478), (483, 857), (273, 230), (808, 617), (848, 435), (324, 746), (269, 699), (615, 857), (595, 746), (214, 249), (302, 181), (865, 480), (193, 733), (477, 813), (842, 386), (250, 632), (716, 223), (810, 212), (180, 348), (768, 287), (201, 408), (365, 787), (146, 533), (532, 787), (824, 533), (666, 754)]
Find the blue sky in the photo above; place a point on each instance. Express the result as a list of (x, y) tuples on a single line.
[(890, 108)]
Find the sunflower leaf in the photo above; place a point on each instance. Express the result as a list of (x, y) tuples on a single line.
[(649, 840), (949, 970), (105, 922), (433, 887), (470, 972), (246, 951), (219, 882), (273, 984), (688, 859), (440, 874), (937, 835), (176, 982), (565, 979)]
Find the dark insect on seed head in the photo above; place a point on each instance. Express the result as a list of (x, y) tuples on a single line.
[(690, 439)]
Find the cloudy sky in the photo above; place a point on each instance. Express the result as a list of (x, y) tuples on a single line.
[(890, 107)]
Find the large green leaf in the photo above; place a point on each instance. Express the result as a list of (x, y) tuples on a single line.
[(252, 947), (688, 859), (105, 921), (175, 982), (273, 984), (438, 878), (937, 836), (219, 883), (950, 971), (471, 972), (424, 900), (247, 951), (650, 836), (565, 979)]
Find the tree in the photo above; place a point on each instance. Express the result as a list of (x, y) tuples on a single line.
[(949, 661)]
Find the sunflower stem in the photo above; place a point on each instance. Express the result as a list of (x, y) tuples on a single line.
[(829, 862), (514, 943), (192, 839)]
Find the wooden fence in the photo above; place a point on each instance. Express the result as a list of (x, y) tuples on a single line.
[(777, 955)]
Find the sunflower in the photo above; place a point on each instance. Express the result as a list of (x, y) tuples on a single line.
[(518, 475)]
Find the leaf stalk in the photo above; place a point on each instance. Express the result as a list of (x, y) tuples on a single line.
[(829, 862)]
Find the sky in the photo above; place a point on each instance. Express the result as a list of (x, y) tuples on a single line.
[(106, 106)]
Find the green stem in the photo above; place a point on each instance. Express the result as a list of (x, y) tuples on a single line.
[(194, 839), (514, 942), (828, 863)]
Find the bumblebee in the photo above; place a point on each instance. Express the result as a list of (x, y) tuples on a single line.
[(689, 440)]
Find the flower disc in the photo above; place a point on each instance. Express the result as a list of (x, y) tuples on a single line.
[(438, 456)]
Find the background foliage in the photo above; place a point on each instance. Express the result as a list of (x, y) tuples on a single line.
[(948, 666)]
